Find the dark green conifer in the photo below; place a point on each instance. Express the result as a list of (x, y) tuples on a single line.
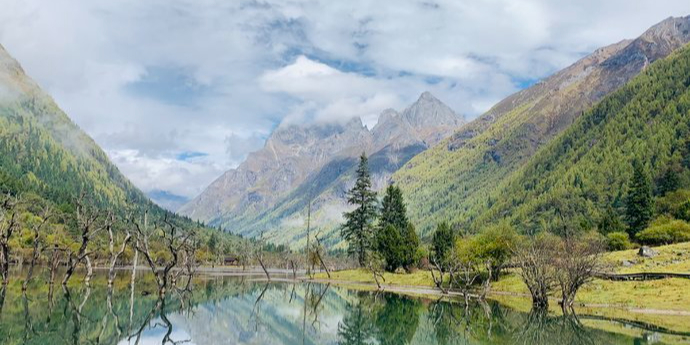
[(358, 228)]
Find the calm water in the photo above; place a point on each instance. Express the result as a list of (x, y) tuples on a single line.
[(243, 311)]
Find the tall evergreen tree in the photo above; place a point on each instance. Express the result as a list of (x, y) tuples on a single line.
[(442, 243), (640, 201), (358, 228), (393, 210), (410, 245), (396, 238)]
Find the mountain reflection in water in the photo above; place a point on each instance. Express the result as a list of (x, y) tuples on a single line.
[(232, 310)]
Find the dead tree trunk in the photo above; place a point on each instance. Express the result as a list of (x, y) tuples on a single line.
[(7, 227), (86, 220)]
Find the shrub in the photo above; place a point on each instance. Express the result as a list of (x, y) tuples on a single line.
[(618, 241), (673, 231)]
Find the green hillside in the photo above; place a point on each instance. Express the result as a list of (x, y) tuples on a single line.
[(458, 178), (46, 158), (588, 168)]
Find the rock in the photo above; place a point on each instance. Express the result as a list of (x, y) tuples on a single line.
[(647, 252), (626, 263), (400, 270)]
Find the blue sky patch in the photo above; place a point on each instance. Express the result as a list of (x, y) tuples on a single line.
[(172, 85), (189, 155)]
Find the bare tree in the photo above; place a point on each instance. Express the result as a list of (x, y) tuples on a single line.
[(258, 252), (174, 242), (46, 214), (88, 223), (9, 222), (579, 260), (375, 265), (318, 249), (535, 261), (114, 256)]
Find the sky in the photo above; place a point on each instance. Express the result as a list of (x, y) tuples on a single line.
[(179, 91)]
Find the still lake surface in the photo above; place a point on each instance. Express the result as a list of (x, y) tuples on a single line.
[(243, 310)]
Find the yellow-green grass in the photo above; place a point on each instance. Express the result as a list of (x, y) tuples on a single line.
[(673, 258), (666, 294)]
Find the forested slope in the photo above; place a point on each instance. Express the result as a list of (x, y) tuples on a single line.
[(587, 170)]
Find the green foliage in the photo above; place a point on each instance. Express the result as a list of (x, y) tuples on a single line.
[(587, 167), (396, 239), (665, 231), (618, 240), (610, 221), (683, 211), (639, 208), (393, 209), (410, 245), (495, 245), (390, 245), (358, 228), (442, 243)]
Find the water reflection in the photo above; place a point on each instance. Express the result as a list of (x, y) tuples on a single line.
[(240, 311)]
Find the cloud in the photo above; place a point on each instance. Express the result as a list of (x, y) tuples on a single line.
[(152, 80)]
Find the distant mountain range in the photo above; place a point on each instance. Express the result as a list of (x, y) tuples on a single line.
[(271, 190)]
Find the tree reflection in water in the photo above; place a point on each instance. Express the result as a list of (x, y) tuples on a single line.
[(236, 311)]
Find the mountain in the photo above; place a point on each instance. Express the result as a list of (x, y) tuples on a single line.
[(43, 153), (456, 178), (586, 171), (271, 190), (167, 200)]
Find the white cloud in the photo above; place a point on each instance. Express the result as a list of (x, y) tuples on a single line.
[(149, 80)]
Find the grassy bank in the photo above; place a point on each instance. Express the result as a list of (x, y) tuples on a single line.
[(652, 301)]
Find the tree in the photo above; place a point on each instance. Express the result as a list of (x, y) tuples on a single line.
[(535, 261), (442, 243), (669, 181), (640, 201), (579, 260), (396, 238), (390, 245), (610, 221), (212, 243), (393, 210), (410, 245), (358, 228)]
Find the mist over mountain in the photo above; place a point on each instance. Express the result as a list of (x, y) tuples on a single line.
[(314, 162)]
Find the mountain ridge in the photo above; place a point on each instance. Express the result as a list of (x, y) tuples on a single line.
[(392, 141), (457, 175)]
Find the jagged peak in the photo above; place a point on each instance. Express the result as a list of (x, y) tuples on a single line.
[(426, 96), (671, 26)]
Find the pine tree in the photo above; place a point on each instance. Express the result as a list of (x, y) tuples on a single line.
[(398, 249), (640, 202), (393, 210), (358, 228), (441, 243), (410, 245), (669, 181), (610, 221)]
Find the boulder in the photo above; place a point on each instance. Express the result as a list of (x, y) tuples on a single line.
[(647, 252)]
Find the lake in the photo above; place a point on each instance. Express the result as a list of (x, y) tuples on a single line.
[(245, 310)]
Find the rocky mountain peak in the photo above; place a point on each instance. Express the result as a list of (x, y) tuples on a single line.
[(668, 29), (429, 112)]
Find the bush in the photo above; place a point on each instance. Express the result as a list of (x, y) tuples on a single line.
[(618, 241), (659, 233)]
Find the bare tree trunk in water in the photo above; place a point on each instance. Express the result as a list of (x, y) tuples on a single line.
[(89, 272)]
